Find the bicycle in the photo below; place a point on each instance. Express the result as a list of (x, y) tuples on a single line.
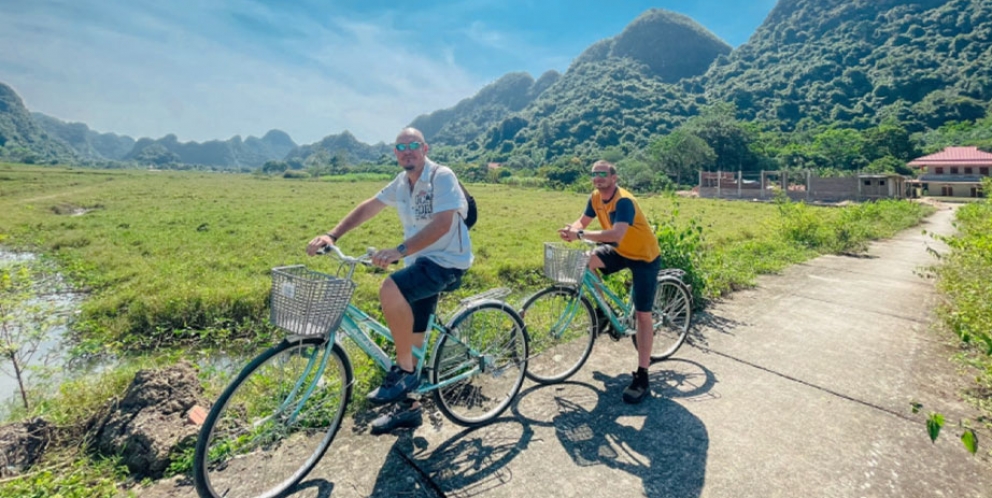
[(564, 319), (274, 422)]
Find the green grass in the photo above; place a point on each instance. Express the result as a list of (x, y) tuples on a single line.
[(964, 279), (181, 259)]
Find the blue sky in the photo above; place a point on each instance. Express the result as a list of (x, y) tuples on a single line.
[(207, 69)]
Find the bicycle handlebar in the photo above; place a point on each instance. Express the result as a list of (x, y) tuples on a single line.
[(365, 259)]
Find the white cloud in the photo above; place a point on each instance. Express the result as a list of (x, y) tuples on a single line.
[(148, 69)]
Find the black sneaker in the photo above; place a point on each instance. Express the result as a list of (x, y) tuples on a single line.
[(402, 415), (638, 389), (397, 385)]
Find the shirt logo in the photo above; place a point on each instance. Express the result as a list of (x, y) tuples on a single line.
[(423, 205)]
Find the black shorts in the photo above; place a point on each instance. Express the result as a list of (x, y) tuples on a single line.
[(421, 283), (645, 274)]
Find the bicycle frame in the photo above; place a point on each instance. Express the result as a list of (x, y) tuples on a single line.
[(594, 287), (361, 328), (601, 295)]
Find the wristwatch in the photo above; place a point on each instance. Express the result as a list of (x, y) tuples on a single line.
[(401, 249), (581, 234)]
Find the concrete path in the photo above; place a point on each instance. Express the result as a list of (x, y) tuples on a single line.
[(800, 387)]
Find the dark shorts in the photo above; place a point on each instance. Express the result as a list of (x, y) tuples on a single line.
[(420, 283), (645, 274)]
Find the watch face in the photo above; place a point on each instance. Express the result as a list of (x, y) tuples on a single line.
[(402, 249)]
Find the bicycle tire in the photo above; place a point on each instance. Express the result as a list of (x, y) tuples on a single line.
[(558, 349), (672, 316), (246, 435), (496, 333)]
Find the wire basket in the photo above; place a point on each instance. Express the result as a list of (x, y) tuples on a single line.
[(306, 302), (564, 264)]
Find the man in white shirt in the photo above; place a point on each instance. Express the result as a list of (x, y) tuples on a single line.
[(436, 250)]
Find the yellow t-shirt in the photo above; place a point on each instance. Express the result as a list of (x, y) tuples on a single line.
[(639, 243)]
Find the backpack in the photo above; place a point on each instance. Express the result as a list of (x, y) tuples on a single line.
[(473, 211)]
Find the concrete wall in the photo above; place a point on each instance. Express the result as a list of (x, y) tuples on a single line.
[(834, 189)]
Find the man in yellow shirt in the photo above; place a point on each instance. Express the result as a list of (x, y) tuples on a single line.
[(626, 241)]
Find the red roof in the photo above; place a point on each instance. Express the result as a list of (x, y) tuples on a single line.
[(955, 156)]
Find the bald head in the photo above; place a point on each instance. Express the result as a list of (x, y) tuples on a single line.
[(410, 135)]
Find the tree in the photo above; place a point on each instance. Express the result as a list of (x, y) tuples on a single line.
[(274, 166), (681, 154), (25, 320), (729, 138), (889, 140), (844, 148)]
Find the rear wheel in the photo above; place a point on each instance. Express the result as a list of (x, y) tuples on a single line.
[(272, 425), (671, 314), (481, 362), (562, 329)]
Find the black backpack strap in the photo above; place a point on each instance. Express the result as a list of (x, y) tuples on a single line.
[(434, 172)]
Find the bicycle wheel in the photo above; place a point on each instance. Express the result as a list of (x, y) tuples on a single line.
[(266, 431), (480, 366), (671, 315), (562, 328)]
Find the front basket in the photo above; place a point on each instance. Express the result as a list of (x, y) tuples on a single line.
[(564, 264), (306, 302)]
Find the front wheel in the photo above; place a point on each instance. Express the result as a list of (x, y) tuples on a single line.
[(272, 425), (562, 328), (479, 365), (671, 315)]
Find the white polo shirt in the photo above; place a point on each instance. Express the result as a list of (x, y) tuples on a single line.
[(416, 208)]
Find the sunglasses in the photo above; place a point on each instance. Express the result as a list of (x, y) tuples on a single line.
[(411, 146), (601, 174)]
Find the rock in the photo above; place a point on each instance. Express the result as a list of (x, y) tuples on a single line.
[(22, 444), (151, 420)]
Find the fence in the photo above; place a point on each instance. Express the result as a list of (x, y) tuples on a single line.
[(800, 186)]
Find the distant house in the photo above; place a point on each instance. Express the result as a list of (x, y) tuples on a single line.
[(954, 171)]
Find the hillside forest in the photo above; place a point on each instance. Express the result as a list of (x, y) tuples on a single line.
[(833, 86)]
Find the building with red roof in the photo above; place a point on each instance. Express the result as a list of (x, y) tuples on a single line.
[(954, 171)]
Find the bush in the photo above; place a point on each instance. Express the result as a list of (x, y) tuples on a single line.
[(682, 247)]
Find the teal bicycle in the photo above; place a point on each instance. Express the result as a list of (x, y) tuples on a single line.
[(564, 319), (274, 422)]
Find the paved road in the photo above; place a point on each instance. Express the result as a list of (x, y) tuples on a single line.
[(800, 387)]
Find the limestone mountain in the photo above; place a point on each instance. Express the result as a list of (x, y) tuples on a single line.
[(21, 139), (621, 90), (343, 145), (228, 154), (671, 46), (853, 63), (89, 144), (860, 62), (473, 116)]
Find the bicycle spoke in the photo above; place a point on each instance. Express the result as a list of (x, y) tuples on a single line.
[(562, 330)]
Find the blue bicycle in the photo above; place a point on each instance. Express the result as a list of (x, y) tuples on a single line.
[(564, 319), (274, 422)]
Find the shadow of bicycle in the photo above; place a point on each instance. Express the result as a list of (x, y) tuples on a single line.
[(658, 441)]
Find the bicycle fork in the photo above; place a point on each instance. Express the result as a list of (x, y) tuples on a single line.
[(291, 402)]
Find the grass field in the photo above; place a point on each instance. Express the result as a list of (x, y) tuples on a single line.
[(174, 257)]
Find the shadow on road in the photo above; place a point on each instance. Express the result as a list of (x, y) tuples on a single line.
[(658, 441)]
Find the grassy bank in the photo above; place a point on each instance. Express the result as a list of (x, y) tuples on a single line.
[(964, 279)]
